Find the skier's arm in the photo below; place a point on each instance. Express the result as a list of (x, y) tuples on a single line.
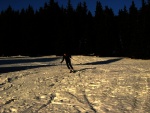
[(62, 59)]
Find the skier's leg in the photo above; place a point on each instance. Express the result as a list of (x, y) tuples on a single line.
[(67, 65), (71, 67)]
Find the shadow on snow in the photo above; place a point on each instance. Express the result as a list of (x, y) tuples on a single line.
[(103, 62), (27, 60), (10, 68), (99, 63), (85, 69)]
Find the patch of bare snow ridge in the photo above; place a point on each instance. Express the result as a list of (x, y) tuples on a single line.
[(100, 85)]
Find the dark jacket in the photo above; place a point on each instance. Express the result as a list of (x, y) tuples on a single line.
[(66, 57)]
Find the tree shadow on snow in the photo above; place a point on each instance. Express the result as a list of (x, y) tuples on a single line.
[(11, 68), (25, 60), (19, 68), (103, 62)]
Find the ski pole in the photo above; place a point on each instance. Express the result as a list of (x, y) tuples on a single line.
[(61, 68)]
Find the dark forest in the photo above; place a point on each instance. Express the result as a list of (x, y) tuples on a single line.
[(53, 30)]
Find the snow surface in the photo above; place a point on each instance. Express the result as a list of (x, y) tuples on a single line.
[(100, 85)]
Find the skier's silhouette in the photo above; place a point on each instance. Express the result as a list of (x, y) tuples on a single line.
[(67, 58)]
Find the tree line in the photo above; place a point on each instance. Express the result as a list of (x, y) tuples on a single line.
[(53, 29)]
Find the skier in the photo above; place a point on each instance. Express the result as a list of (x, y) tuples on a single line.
[(67, 58)]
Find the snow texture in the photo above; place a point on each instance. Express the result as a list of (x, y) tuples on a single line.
[(100, 85)]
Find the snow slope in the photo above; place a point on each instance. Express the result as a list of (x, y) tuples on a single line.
[(100, 85)]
